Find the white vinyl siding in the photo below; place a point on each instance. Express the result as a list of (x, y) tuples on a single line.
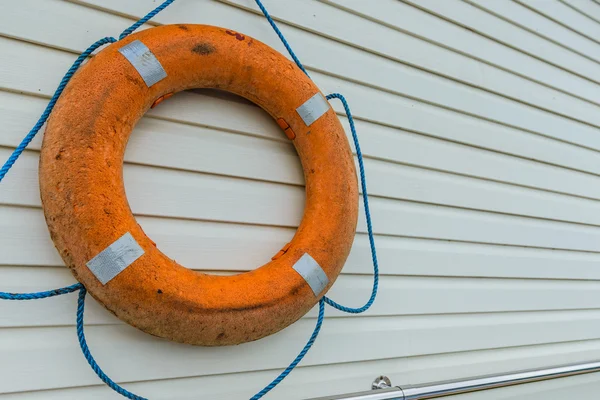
[(479, 122)]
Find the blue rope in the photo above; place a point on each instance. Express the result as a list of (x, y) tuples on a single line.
[(298, 358), (363, 178), (63, 83), (25, 142), (40, 295), (365, 196), (61, 86), (88, 356), (145, 19), (281, 37)]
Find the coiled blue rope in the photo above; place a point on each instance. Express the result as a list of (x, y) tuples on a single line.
[(82, 291)]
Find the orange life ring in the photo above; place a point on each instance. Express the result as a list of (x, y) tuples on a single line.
[(96, 233)]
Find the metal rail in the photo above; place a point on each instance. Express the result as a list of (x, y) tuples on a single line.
[(449, 388)]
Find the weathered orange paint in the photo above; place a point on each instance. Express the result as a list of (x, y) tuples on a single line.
[(86, 208)]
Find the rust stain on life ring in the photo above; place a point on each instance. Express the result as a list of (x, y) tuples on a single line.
[(86, 209), (238, 36)]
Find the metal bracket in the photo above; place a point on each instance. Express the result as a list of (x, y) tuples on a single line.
[(381, 382)]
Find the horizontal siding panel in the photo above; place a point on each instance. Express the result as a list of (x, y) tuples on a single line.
[(240, 247), (250, 158), (422, 40), (76, 22), (313, 381), (430, 120), (396, 298), (305, 382), (480, 22), (493, 64), (407, 82), (443, 41), (528, 19), (167, 193), (565, 15), (589, 8), (234, 156), (399, 46), (416, 84), (195, 148), (59, 362), (424, 119)]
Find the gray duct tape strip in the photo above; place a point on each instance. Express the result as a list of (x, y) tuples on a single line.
[(313, 109), (312, 273), (144, 62), (111, 261)]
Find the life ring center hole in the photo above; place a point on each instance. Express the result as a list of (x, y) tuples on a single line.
[(214, 182)]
